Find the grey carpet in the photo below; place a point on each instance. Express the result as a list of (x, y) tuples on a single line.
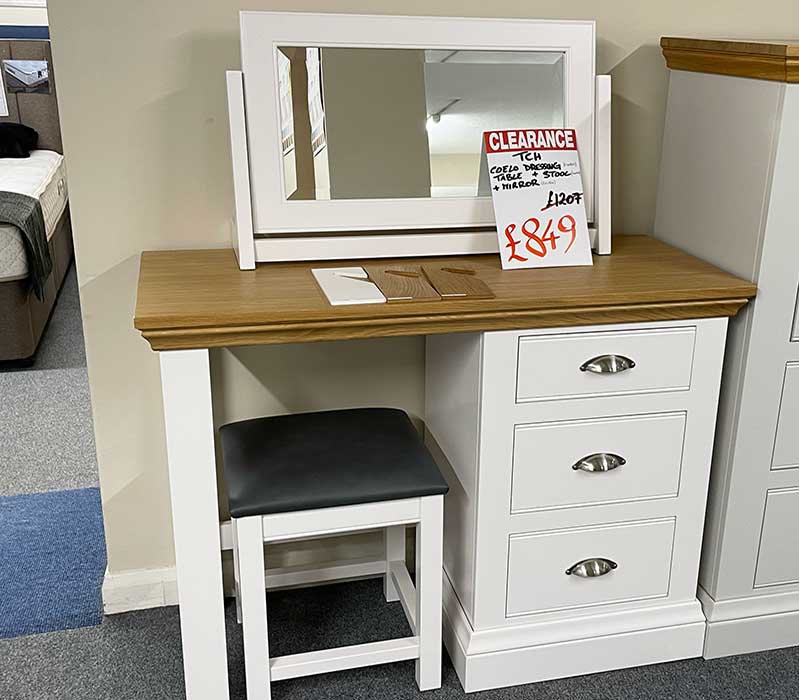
[(46, 435), (137, 656), (62, 345), (46, 429)]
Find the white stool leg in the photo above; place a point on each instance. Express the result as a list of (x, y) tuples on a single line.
[(395, 551), (429, 555), (252, 589), (236, 573)]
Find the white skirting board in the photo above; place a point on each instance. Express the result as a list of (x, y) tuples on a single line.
[(155, 588), (502, 657), (139, 590), (296, 564), (747, 625)]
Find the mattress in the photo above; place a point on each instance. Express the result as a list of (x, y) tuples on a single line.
[(43, 175)]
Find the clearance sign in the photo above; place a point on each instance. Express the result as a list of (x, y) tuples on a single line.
[(538, 196)]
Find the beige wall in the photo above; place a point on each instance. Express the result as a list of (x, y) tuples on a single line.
[(142, 102)]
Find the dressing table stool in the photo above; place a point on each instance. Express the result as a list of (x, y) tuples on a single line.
[(314, 474)]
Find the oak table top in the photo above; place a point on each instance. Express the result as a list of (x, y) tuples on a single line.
[(200, 299)]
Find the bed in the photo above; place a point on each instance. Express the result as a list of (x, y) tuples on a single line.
[(23, 317)]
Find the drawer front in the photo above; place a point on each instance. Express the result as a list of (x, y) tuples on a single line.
[(558, 366), (537, 565), (545, 456)]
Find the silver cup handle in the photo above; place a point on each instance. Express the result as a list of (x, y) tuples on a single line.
[(591, 568), (607, 364)]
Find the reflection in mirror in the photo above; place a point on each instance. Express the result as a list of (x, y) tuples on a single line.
[(399, 123)]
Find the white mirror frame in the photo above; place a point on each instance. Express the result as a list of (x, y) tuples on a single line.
[(269, 227)]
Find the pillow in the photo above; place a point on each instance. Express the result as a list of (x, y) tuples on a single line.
[(17, 140)]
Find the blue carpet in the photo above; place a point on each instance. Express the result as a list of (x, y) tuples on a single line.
[(52, 559)]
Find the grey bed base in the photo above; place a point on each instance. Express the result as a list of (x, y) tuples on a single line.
[(23, 317)]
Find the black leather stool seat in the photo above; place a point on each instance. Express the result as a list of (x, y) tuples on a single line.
[(319, 460)]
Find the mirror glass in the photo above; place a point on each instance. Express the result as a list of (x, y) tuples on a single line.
[(379, 123)]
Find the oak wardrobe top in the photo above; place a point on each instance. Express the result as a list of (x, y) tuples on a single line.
[(762, 60), (200, 298)]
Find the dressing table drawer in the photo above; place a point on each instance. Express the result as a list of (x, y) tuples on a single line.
[(604, 363), (596, 461), (605, 564)]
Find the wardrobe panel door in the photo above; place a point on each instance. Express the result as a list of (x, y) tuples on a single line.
[(778, 560), (786, 445)]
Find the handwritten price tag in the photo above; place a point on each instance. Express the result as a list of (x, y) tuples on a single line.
[(535, 182)]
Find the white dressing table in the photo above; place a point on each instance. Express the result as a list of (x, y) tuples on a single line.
[(663, 308)]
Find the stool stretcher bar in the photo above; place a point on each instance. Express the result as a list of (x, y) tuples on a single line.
[(406, 590), (341, 658)]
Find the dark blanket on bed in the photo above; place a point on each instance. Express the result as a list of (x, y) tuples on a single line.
[(25, 213)]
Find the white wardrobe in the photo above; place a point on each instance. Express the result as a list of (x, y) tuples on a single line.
[(728, 193)]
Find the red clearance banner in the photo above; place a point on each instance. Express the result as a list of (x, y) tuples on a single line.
[(530, 140)]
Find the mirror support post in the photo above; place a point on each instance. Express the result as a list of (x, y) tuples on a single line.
[(242, 234), (602, 169)]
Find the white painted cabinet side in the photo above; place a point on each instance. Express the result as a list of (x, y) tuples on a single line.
[(728, 194), (715, 172), (724, 446), (719, 159), (452, 429), (769, 351), (500, 357)]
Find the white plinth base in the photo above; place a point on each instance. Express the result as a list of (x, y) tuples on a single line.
[(747, 625), (498, 658)]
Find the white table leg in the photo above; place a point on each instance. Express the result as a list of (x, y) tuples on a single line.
[(250, 543), (429, 554), (186, 386)]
